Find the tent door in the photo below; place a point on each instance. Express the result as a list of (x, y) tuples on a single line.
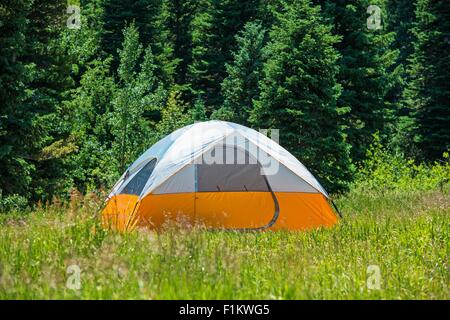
[(234, 196)]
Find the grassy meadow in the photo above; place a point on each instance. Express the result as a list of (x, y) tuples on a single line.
[(404, 234)]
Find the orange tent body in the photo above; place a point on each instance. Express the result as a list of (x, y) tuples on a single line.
[(175, 180), (229, 210)]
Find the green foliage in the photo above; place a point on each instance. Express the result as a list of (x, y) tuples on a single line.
[(90, 107), (13, 203), (176, 38), (366, 70), (299, 93), (384, 171), (34, 75), (15, 123), (223, 114), (173, 115), (84, 45), (118, 14), (114, 117), (400, 20), (426, 95), (198, 111), (213, 39), (241, 86), (138, 92)]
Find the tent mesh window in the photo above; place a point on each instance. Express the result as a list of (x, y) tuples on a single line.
[(137, 183), (235, 176)]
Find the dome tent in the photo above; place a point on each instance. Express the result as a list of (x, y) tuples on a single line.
[(222, 175)]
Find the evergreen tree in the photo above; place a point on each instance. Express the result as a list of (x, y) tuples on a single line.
[(84, 45), (90, 105), (87, 106), (173, 115), (223, 114), (240, 87), (299, 93), (15, 121), (176, 37), (198, 111), (49, 70), (428, 91), (150, 18), (138, 92), (366, 68), (401, 20), (34, 76), (117, 13), (213, 32)]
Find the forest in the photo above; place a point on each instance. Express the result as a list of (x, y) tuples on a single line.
[(87, 86)]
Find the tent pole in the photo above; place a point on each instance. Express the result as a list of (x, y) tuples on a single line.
[(337, 209)]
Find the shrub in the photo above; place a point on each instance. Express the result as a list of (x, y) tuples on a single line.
[(13, 203), (384, 170)]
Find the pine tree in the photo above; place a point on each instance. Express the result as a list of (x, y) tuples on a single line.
[(176, 37), (49, 69), (428, 91), (84, 45), (366, 72), (90, 106), (241, 86), (35, 76), (150, 17), (401, 20), (198, 111), (87, 107), (15, 122), (138, 92), (173, 115), (118, 13), (213, 32), (299, 93)]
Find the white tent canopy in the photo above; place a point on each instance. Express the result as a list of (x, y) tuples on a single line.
[(173, 161)]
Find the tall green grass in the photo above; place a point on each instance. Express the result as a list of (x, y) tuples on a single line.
[(396, 220), (404, 234)]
